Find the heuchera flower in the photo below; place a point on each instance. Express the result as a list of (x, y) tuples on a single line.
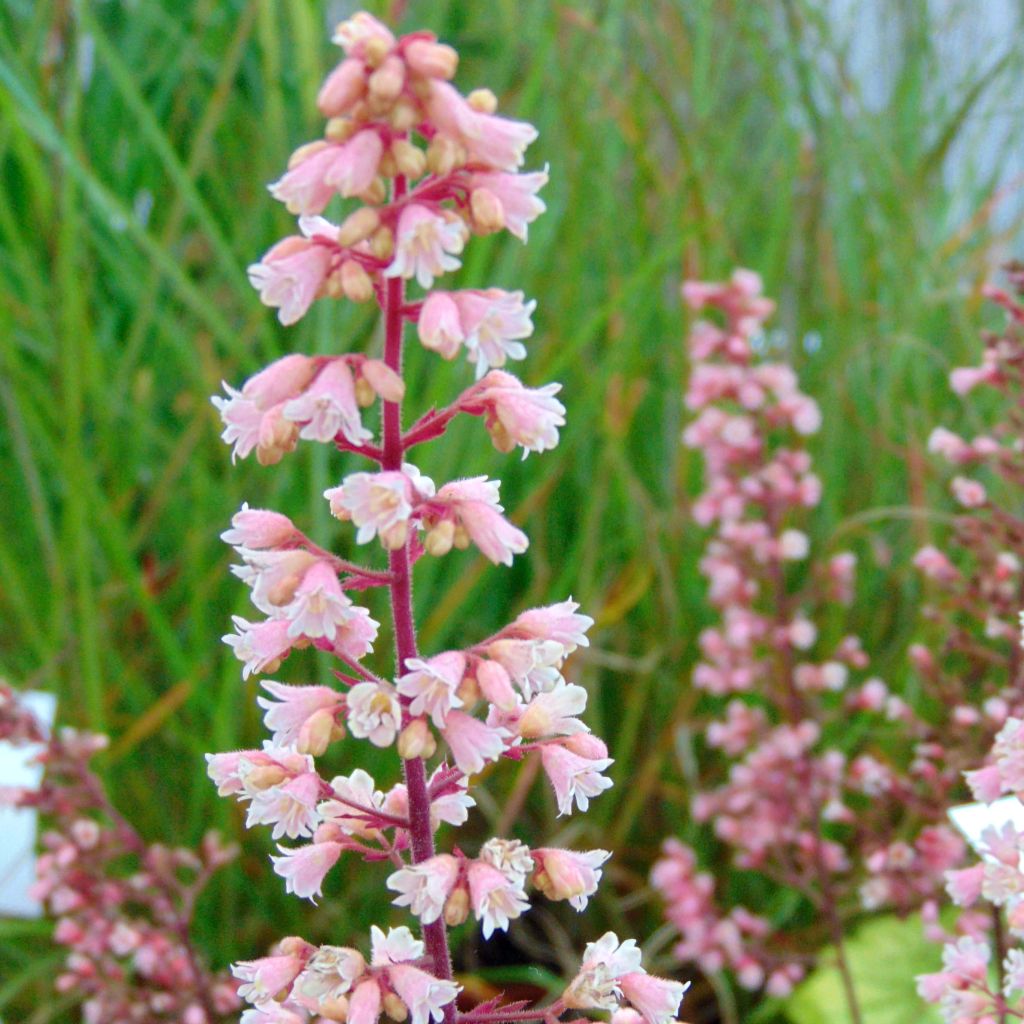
[(423, 169)]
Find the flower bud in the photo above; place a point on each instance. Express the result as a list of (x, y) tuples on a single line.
[(358, 225), (356, 282), (278, 436), (456, 908), (376, 49), (461, 539), (496, 685), (343, 86), (382, 244), (387, 165), (339, 129), (488, 213), (265, 776), (468, 691), (376, 193), (335, 1008), (440, 538), (416, 740), (444, 155), (393, 538), (365, 396), (483, 101), (410, 160), (385, 84), (394, 1007), (384, 381), (430, 59), (405, 115), (316, 733)]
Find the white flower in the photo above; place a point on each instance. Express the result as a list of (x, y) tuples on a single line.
[(396, 947), (374, 713)]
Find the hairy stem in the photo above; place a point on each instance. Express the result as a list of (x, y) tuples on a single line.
[(435, 935)]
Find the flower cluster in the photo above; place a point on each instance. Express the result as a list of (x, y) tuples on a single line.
[(122, 906), (428, 168), (964, 989), (808, 804)]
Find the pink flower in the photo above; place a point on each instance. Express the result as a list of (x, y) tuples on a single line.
[(259, 645), (986, 783), (559, 623), (323, 169), (433, 685), (305, 867), (473, 505), (568, 875), (259, 528), (374, 713), (328, 407), (969, 493), (380, 503), (290, 275), (496, 900), (516, 195), (273, 576), (425, 887), (354, 639), (425, 245), (289, 718), (291, 808), (495, 141), (516, 415), (424, 995), (596, 987), (342, 88), (964, 887), (493, 321), (552, 713), (320, 605), (574, 777), (440, 325), (266, 977), (510, 856), (471, 742), (243, 412), (533, 665), (657, 999), (935, 565), (329, 974), (357, 797)]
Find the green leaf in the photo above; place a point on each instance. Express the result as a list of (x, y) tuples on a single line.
[(885, 956)]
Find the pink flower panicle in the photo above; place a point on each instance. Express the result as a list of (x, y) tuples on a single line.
[(424, 170), (801, 803), (122, 906), (976, 667)]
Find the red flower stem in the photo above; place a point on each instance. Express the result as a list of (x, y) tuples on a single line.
[(435, 935), (542, 1013)]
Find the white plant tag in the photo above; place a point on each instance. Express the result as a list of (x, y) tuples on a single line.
[(972, 819), (18, 825)]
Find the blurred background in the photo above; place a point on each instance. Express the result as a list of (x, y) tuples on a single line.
[(864, 157)]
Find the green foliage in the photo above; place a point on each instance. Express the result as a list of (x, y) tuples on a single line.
[(135, 142), (884, 956)]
